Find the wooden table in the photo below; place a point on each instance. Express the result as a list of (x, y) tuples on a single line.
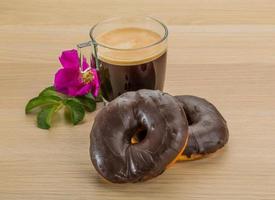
[(221, 50)]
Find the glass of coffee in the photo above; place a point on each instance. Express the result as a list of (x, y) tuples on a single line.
[(130, 54)]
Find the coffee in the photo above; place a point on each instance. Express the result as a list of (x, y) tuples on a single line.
[(132, 59)]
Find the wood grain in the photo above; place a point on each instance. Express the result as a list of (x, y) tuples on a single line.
[(221, 50)]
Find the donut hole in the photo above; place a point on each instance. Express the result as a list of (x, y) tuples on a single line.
[(189, 119), (139, 135)]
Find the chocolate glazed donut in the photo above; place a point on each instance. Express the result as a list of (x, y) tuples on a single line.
[(208, 131), (137, 135)]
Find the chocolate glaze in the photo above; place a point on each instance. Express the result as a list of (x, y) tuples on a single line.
[(208, 131), (158, 114)]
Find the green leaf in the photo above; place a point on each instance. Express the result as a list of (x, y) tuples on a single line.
[(41, 101), (89, 95), (76, 110), (44, 117), (50, 91), (88, 102)]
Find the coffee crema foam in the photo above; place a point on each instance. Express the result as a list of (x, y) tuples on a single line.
[(127, 44)]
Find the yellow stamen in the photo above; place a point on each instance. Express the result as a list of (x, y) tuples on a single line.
[(87, 76)]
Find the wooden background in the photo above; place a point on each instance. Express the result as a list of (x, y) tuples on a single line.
[(223, 50)]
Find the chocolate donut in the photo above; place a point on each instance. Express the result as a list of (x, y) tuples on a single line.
[(137, 135), (208, 131)]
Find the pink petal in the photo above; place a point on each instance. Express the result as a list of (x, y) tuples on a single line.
[(95, 83), (85, 65), (93, 65), (95, 91), (72, 91), (69, 59), (65, 78), (79, 91)]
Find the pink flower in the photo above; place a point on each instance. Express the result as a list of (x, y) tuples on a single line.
[(73, 81)]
